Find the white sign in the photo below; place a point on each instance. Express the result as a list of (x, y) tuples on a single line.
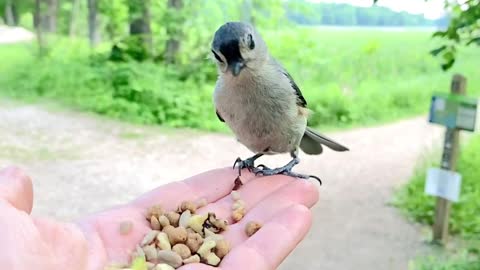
[(443, 183)]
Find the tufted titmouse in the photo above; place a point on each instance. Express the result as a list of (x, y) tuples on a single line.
[(260, 102)]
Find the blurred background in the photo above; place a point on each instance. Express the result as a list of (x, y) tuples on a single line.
[(101, 101)]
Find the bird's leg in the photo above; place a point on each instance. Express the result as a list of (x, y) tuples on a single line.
[(247, 163), (286, 170)]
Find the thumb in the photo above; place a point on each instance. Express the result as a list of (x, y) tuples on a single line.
[(16, 189)]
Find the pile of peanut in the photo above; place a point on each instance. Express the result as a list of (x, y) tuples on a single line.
[(183, 236)]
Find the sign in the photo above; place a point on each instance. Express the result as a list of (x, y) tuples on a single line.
[(455, 111), (443, 183)]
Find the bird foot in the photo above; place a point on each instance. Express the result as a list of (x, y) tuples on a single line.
[(285, 170), (244, 164)]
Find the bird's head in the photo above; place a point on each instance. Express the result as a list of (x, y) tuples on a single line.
[(237, 46)]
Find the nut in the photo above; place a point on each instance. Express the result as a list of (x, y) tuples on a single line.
[(150, 265), (212, 259), (173, 218), (184, 218), (238, 204), (155, 210), (192, 259), (182, 250), (187, 205), (196, 222), (217, 225), (162, 241), (163, 266), (194, 241), (252, 227), (125, 227), (177, 235), (150, 252), (235, 195), (149, 237), (138, 253), (154, 223), (163, 220), (238, 214), (169, 257), (222, 248), (206, 248)]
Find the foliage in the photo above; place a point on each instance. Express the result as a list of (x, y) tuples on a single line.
[(464, 219), (348, 78), (468, 259)]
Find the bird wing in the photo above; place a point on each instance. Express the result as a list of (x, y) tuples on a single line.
[(300, 99)]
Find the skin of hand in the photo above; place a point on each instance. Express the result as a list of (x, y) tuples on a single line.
[(280, 202)]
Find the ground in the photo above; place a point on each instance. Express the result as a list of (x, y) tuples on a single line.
[(81, 163)]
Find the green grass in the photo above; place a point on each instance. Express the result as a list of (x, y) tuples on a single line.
[(466, 259), (349, 78)]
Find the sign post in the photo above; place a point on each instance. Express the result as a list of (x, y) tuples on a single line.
[(449, 162)]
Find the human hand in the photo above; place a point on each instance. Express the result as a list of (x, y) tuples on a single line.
[(281, 203)]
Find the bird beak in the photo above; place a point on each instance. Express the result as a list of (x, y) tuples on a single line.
[(236, 67)]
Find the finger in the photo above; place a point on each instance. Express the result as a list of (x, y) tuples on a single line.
[(16, 188), (298, 192), (267, 248), (251, 193), (211, 185)]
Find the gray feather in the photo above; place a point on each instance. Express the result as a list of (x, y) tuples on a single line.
[(312, 142)]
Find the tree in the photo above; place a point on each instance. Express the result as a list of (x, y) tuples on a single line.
[(174, 30), (11, 13), (51, 16), (93, 34), (38, 24), (73, 18), (463, 30)]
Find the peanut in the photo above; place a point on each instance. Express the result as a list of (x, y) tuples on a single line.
[(173, 218), (149, 237), (182, 250), (187, 205), (177, 235), (212, 259), (154, 223), (192, 259), (184, 219), (206, 248), (196, 222), (222, 248), (163, 220), (163, 266), (155, 210), (194, 241), (162, 241), (235, 195), (170, 257), (150, 252), (252, 227)]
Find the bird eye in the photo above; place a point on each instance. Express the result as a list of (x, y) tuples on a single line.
[(251, 43), (217, 57)]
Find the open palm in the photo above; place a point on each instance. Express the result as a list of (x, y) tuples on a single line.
[(281, 203)]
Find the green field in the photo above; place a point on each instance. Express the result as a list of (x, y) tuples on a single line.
[(349, 77)]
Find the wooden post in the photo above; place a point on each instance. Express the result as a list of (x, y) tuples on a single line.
[(449, 162)]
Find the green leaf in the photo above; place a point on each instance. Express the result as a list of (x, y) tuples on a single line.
[(436, 51), (474, 40), (446, 66)]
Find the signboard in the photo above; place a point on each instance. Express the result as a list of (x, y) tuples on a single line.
[(443, 183), (455, 111)]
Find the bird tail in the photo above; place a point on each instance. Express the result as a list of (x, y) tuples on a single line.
[(312, 141)]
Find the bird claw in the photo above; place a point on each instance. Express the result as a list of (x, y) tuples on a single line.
[(244, 164), (285, 170)]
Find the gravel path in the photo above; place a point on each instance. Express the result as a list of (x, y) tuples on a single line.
[(81, 163)]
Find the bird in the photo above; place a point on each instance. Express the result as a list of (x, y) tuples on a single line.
[(257, 98)]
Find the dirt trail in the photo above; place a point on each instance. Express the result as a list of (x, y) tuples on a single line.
[(81, 163)]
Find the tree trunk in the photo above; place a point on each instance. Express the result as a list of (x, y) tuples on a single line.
[(173, 43), (247, 11), (73, 18), (93, 23), (37, 22), (9, 16), (51, 18), (139, 12)]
